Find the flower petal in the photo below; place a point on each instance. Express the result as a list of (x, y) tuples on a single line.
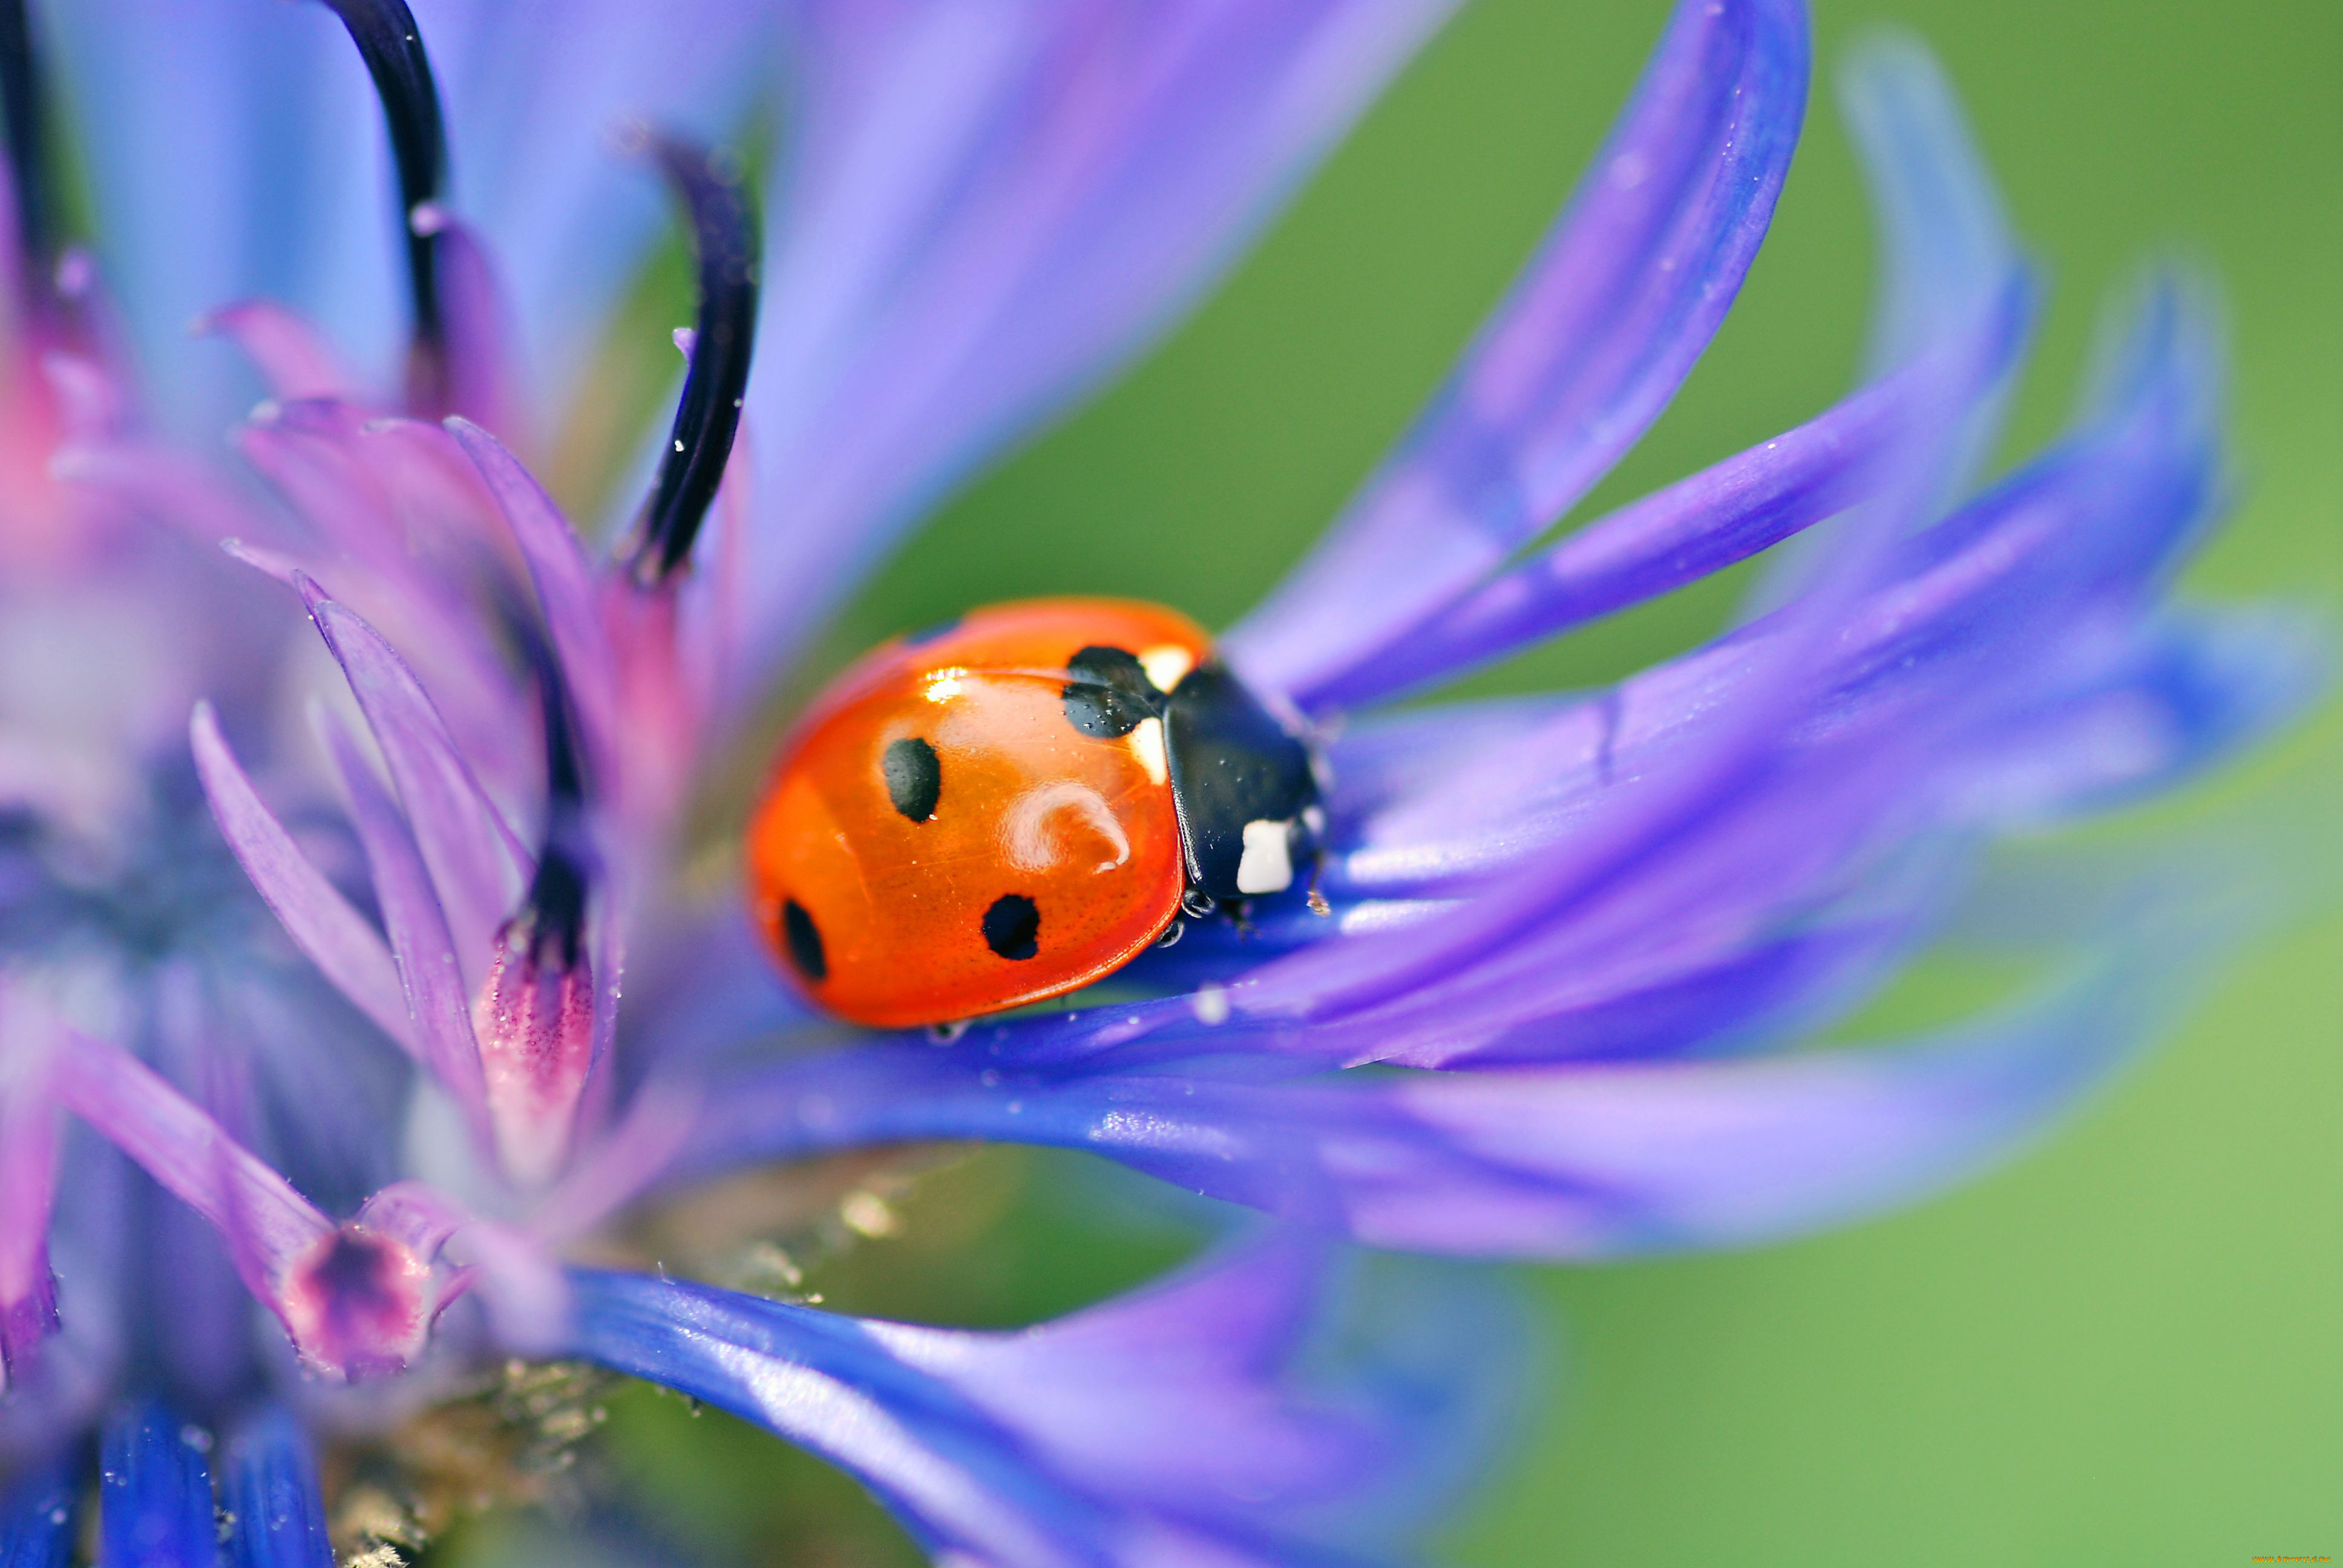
[(271, 1494), (564, 576), (289, 354), (342, 943), (154, 1491), (37, 1518), (988, 206), (439, 1004), (28, 1175), (479, 867), (1165, 1427), (1949, 253), (268, 1225), (1594, 340), (1699, 525), (1562, 1161), (482, 362)]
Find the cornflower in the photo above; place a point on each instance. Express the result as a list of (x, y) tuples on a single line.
[(296, 1169)]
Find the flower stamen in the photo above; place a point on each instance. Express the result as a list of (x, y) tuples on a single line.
[(392, 47), (534, 1018), (708, 416), (24, 111)]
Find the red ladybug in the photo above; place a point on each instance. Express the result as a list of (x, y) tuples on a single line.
[(1009, 807)]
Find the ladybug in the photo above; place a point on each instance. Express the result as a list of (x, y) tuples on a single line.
[(1011, 805)]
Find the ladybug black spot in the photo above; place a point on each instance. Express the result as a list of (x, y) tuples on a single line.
[(1013, 926), (803, 939), (914, 777), (1110, 695)]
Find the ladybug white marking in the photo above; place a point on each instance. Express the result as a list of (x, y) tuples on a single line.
[(1147, 745), (1267, 864), (1166, 664)]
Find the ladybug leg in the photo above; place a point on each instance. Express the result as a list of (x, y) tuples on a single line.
[(1171, 934), (1196, 903)]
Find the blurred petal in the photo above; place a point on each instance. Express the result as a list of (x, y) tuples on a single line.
[(1575, 365), (155, 1493), (1166, 1427), (270, 1491), (38, 1517), (342, 943), (1949, 251), (290, 355), (986, 208), (236, 151), (482, 356), (28, 1175), (268, 1225)]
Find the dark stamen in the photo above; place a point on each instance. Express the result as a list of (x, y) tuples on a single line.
[(392, 47), (24, 111), (555, 910), (724, 233)]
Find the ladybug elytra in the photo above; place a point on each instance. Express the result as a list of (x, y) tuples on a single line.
[(1012, 806)]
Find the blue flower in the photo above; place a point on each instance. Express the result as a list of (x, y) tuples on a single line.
[(1576, 945)]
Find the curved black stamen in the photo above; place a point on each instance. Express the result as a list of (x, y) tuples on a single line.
[(392, 47), (23, 117), (554, 908), (724, 232)]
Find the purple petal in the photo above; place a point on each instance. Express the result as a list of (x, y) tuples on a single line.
[(270, 1493), (400, 523), (342, 943), (1571, 1161), (1949, 251), (28, 1173), (1863, 746), (270, 1229), (285, 348), (1167, 1427), (985, 209), (154, 1491), (1636, 1160), (270, 1225), (439, 1002), (1575, 365), (478, 868), (481, 356), (1700, 525), (564, 576)]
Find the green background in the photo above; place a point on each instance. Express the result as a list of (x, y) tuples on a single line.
[(2125, 1349)]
